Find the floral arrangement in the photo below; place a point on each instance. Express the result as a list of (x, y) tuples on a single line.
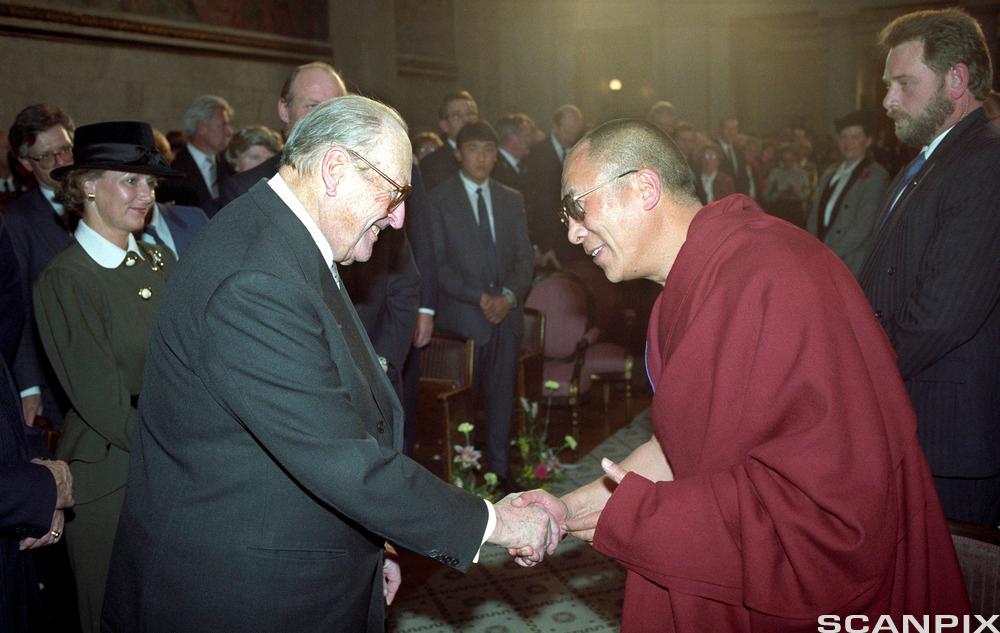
[(541, 461), (467, 476)]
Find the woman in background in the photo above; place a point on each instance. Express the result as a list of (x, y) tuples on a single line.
[(94, 305), (251, 146)]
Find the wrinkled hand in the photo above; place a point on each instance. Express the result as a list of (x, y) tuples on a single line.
[(392, 575), (494, 307), (583, 527), (31, 407), (64, 481), (530, 531), (424, 330), (50, 537), (558, 513)]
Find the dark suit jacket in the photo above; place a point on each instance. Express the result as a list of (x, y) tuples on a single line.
[(504, 172), (265, 475), (419, 227), (37, 235), (542, 186), (855, 212), (184, 223), (463, 274), (739, 171), (238, 184), (932, 278), (192, 190), (438, 166), (27, 491)]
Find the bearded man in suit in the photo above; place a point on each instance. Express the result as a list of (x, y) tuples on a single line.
[(265, 479)]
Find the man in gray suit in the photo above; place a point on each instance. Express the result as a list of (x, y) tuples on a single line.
[(484, 273), (265, 479), (843, 215)]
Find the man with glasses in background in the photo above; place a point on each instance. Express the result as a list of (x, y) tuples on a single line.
[(457, 109), (41, 138), (784, 480)]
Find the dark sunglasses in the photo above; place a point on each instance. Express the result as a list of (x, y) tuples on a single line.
[(399, 193), (570, 208)]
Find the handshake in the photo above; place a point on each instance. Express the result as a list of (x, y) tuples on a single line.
[(531, 524)]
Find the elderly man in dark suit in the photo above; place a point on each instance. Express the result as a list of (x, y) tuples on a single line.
[(932, 274), (542, 178), (843, 215), (265, 480), (515, 132), (42, 139), (484, 274), (203, 159)]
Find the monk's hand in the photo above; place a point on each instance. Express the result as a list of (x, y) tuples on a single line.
[(529, 530), (584, 526), (557, 511)]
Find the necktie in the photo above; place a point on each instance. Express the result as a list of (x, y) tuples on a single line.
[(213, 177), (911, 170), (485, 235)]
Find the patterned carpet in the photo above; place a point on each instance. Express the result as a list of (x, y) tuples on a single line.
[(575, 590)]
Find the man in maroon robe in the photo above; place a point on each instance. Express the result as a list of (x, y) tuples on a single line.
[(783, 480)]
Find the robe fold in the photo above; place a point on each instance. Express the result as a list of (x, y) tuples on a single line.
[(800, 488)]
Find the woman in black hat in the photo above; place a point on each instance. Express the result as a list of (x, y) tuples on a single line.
[(94, 305)]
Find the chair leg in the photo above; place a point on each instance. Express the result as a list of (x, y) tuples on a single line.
[(607, 395), (574, 392), (448, 457)]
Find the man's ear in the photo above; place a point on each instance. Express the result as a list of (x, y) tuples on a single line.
[(956, 80), (334, 167), (283, 113), (649, 188)]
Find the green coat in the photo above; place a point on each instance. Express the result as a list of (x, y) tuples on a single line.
[(95, 325)]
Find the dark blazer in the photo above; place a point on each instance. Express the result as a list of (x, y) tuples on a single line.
[(192, 190), (27, 491), (855, 212), (238, 184), (504, 172), (739, 171), (463, 276), (932, 278), (438, 166), (265, 477), (722, 186), (542, 186), (184, 223), (37, 234), (419, 225)]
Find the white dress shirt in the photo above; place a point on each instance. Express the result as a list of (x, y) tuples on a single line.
[(207, 167), (510, 159), (102, 251), (838, 181)]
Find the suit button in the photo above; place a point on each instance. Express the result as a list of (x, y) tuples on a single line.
[(878, 315), (381, 427), (891, 271)]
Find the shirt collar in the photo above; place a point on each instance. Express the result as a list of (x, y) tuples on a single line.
[(280, 187), (933, 144), (470, 186), (846, 168), (199, 156), (556, 145), (452, 143), (510, 159), (102, 251), (51, 197)]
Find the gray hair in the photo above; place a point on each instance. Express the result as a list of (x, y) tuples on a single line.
[(250, 136), (353, 122), (624, 144), (202, 109)]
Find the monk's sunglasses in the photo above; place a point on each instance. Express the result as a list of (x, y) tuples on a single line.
[(571, 207), (399, 192)]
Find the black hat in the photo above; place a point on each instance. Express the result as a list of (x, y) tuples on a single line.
[(120, 146)]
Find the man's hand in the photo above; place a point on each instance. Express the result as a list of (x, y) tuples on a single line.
[(583, 527), (558, 514), (424, 330), (392, 575), (530, 530), (494, 307), (64, 481), (31, 406), (50, 537)]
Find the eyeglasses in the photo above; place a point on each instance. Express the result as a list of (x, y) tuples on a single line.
[(399, 193), (571, 207), (48, 159)]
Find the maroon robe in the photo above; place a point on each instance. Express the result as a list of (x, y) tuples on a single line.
[(800, 487)]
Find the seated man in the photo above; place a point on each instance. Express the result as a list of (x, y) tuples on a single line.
[(484, 272)]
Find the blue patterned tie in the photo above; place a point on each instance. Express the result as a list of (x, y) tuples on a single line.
[(911, 170)]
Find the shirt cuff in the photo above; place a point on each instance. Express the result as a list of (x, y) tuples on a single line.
[(31, 391), (429, 311), (491, 525)]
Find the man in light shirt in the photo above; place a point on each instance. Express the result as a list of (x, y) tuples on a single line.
[(933, 270), (207, 124), (850, 195)]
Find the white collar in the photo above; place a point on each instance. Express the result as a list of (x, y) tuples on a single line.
[(846, 168), (470, 186), (933, 144), (510, 159), (51, 197), (199, 156), (106, 254), (556, 145), (280, 187), (452, 143)]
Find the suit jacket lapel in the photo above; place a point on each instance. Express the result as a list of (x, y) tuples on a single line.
[(853, 178)]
